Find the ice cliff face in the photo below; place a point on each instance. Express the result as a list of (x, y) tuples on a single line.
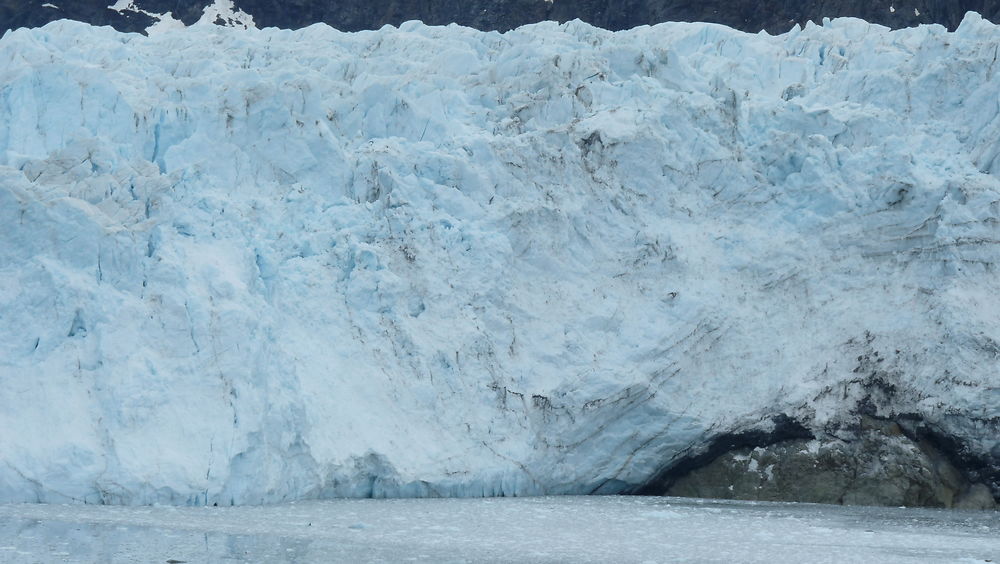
[(251, 266)]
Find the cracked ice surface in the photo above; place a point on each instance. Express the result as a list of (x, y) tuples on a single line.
[(243, 266)]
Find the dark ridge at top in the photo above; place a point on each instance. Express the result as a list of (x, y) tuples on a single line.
[(774, 16)]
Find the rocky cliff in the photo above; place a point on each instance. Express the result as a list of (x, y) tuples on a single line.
[(774, 16)]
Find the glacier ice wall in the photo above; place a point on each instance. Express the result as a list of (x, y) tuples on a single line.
[(253, 266)]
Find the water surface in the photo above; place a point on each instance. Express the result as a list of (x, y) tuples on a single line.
[(530, 530)]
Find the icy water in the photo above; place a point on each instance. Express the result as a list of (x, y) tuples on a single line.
[(531, 530)]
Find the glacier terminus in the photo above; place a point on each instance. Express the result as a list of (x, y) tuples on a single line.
[(252, 266)]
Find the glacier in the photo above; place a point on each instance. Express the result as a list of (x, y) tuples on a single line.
[(250, 266)]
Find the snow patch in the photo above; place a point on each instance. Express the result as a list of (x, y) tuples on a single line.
[(164, 22), (224, 12)]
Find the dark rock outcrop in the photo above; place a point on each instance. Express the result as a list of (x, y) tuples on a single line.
[(874, 462), (774, 16)]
